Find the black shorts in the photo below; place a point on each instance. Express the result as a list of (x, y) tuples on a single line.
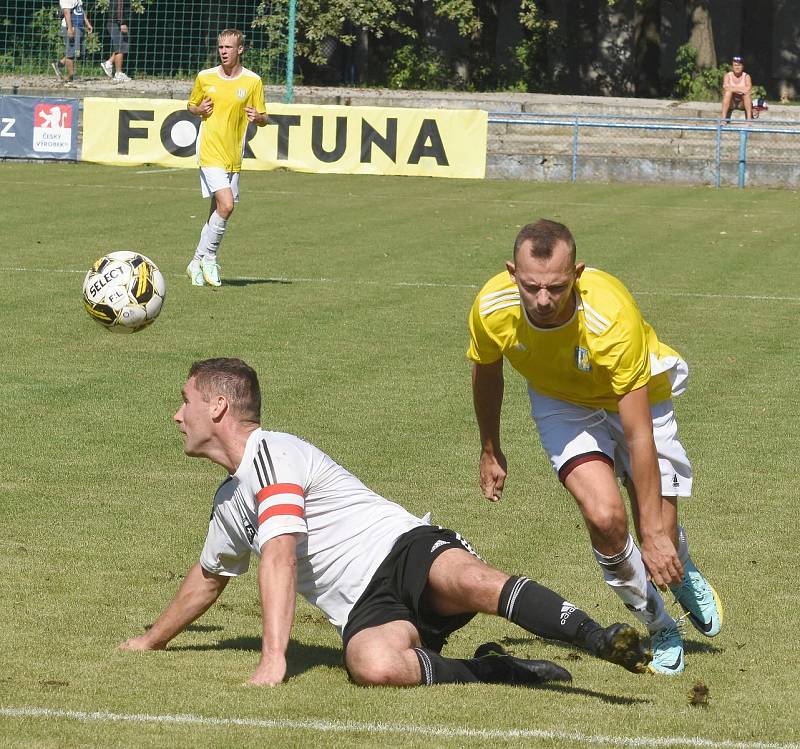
[(395, 592)]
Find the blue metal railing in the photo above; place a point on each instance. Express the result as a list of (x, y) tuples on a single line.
[(624, 122)]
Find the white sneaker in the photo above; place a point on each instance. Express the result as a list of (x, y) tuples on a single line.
[(120, 77), (210, 271), (108, 68), (194, 272)]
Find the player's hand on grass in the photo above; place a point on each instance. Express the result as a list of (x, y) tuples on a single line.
[(139, 643), (269, 673), (661, 560), (493, 471)]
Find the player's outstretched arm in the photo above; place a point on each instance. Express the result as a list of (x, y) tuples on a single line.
[(277, 582), (658, 552), (487, 397), (195, 596)]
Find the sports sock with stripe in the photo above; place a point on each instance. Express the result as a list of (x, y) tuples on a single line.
[(626, 575), (436, 669), (540, 610), (488, 669)]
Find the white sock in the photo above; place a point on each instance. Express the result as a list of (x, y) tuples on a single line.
[(214, 234), (626, 575), (683, 545), (200, 251)]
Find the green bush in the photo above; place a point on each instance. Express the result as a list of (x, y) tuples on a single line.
[(418, 66)]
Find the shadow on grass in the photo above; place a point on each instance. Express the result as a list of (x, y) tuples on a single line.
[(300, 656), (689, 646), (611, 699), (254, 281)]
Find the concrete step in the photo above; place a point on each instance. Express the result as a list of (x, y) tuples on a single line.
[(764, 147)]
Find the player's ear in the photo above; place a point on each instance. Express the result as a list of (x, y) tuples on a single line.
[(218, 407), (579, 268), (512, 269)]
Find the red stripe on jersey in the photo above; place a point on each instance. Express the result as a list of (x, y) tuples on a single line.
[(271, 512), (273, 489)]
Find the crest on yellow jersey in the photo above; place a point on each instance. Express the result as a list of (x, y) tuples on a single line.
[(582, 360), (241, 93)]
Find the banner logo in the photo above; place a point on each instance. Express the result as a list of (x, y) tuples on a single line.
[(299, 137), (52, 128)]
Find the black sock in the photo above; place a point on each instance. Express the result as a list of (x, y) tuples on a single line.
[(541, 611), (437, 669)]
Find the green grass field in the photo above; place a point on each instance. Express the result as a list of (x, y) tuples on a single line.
[(349, 295)]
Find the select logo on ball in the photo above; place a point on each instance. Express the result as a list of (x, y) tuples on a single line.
[(124, 291)]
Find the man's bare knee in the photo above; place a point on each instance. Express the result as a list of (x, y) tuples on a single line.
[(378, 673), (384, 655), (609, 523)]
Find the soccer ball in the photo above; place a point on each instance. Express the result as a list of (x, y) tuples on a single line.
[(123, 291)]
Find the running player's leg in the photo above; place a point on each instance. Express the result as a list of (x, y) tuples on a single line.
[(222, 188), (581, 448), (694, 594)]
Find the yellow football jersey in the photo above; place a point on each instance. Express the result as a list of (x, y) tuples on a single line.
[(221, 138), (605, 351)]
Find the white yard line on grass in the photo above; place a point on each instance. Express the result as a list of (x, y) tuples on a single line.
[(334, 726), (425, 284), (510, 202)]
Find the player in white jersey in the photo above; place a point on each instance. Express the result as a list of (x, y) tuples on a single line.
[(600, 385), (393, 585)]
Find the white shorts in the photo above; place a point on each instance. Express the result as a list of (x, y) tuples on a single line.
[(570, 433), (214, 178)]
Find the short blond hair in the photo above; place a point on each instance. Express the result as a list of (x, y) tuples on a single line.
[(239, 36)]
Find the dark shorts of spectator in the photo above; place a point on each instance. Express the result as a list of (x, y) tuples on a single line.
[(73, 47), (119, 39), (396, 591)]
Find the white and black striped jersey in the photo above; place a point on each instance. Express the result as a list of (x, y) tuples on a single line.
[(286, 485)]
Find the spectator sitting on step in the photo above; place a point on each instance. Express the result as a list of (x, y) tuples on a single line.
[(736, 88)]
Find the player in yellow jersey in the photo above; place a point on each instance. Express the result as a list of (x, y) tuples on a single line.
[(600, 384), (228, 97)]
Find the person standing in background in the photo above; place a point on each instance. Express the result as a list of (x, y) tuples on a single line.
[(73, 22), (118, 25)]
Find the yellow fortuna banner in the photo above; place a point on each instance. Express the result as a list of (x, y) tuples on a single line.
[(301, 137)]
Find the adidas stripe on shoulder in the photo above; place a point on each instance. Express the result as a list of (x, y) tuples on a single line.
[(497, 300)]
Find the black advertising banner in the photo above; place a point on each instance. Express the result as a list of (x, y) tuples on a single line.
[(33, 127)]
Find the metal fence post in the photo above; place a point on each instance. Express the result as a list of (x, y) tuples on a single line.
[(290, 52), (575, 150), (742, 155), (719, 153)]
